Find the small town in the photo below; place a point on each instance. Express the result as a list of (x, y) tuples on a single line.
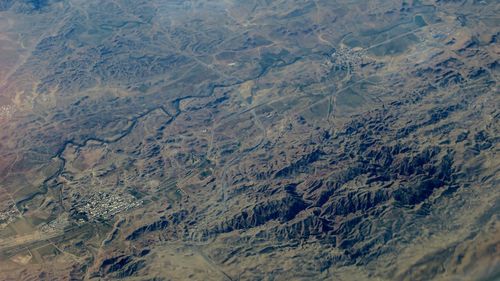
[(103, 206), (8, 214)]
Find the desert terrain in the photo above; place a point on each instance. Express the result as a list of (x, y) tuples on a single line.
[(249, 140)]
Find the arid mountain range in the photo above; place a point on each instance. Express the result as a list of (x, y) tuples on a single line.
[(249, 140)]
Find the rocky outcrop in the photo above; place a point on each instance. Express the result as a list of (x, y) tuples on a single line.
[(158, 225), (299, 166), (121, 266), (282, 210)]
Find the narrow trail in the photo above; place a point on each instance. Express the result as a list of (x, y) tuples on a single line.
[(211, 263)]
